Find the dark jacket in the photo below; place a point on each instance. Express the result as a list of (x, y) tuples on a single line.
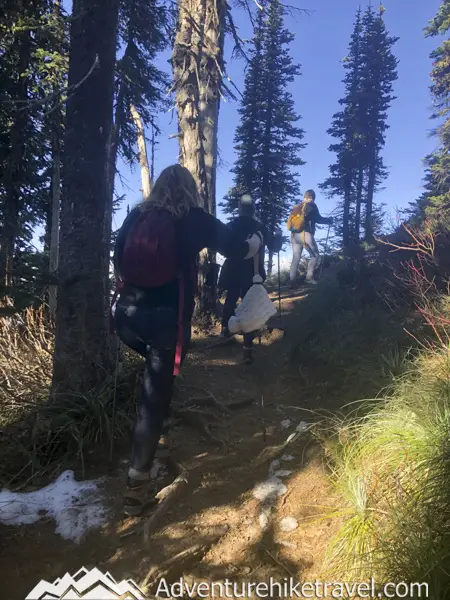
[(238, 273), (194, 232), (313, 218)]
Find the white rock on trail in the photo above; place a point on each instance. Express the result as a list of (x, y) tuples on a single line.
[(288, 524), (287, 457), (273, 466), (268, 491), (282, 473)]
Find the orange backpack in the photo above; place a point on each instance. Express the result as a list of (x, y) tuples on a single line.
[(296, 221)]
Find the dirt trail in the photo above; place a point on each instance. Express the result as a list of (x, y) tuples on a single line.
[(220, 489)]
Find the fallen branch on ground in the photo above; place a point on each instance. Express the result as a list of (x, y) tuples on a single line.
[(277, 561), (272, 452), (166, 498)]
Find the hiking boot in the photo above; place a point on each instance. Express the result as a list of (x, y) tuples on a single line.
[(139, 494), (248, 356), (311, 281)]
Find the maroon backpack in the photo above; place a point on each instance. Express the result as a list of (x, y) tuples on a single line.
[(149, 260)]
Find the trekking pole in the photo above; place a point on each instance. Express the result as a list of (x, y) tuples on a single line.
[(279, 289), (325, 249), (113, 420)]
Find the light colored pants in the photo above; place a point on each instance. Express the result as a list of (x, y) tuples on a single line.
[(298, 244)]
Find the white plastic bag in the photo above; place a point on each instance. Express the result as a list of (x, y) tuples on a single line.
[(255, 309)]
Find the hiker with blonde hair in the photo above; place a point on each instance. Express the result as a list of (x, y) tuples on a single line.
[(155, 258), (302, 225)]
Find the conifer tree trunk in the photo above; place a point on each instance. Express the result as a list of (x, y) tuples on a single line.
[(369, 203), (81, 344), (197, 62), (113, 148), (142, 151), (346, 215), (56, 123), (55, 208)]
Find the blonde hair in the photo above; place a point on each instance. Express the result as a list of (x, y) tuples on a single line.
[(175, 190)]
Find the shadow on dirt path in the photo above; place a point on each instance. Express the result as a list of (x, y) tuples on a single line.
[(221, 493)]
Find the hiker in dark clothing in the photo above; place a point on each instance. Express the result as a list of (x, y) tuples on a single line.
[(302, 224), (154, 317), (236, 276)]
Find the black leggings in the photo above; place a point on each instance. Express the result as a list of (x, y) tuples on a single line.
[(152, 332), (234, 293)]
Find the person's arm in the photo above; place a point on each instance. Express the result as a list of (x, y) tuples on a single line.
[(208, 232)]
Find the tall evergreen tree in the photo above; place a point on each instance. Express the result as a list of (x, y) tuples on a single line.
[(360, 127), (281, 143), (32, 70), (438, 199), (346, 174), (249, 132), (268, 139), (379, 74), (81, 348)]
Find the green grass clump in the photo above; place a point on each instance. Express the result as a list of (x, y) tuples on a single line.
[(41, 434), (391, 466)]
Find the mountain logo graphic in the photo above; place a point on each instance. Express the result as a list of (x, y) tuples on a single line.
[(87, 585)]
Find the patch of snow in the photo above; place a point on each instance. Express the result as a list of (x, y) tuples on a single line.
[(282, 473), (268, 491), (287, 457), (285, 424), (302, 427), (288, 524), (76, 506), (263, 520)]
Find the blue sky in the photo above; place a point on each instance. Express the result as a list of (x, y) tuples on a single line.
[(321, 43)]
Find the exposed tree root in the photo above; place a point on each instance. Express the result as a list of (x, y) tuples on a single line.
[(196, 418), (166, 498), (204, 411)]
